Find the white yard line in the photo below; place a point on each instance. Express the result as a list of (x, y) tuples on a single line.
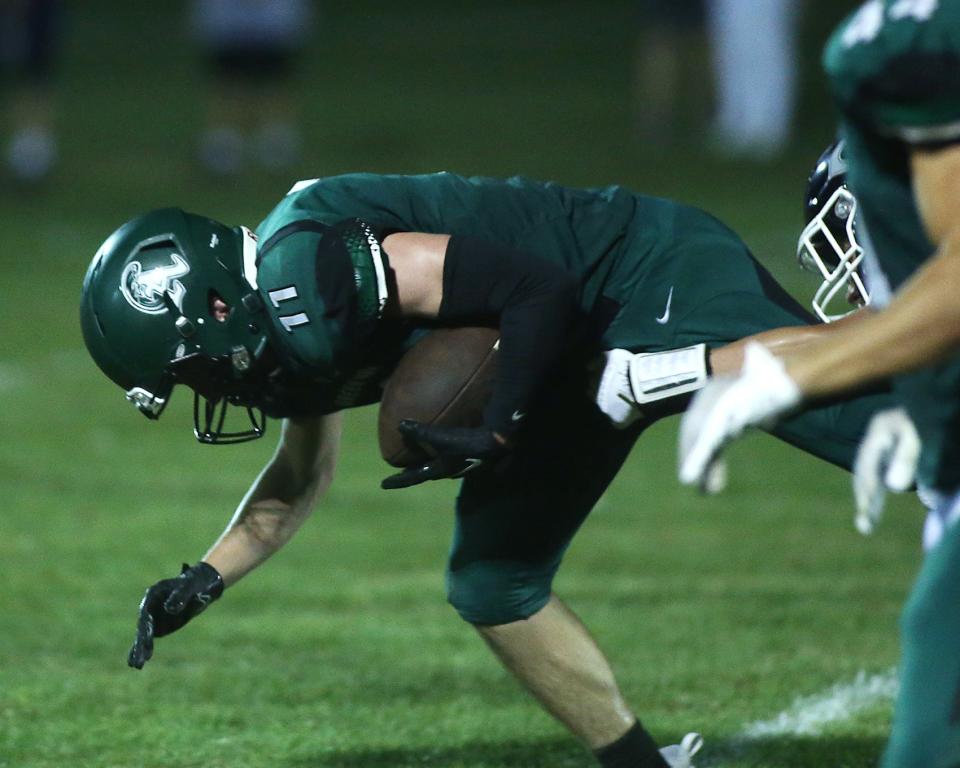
[(809, 715)]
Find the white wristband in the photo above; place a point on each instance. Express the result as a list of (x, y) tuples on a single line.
[(659, 375)]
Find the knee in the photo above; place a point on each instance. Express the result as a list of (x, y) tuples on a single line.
[(497, 592)]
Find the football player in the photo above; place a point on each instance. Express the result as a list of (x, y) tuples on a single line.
[(308, 316), (893, 68)]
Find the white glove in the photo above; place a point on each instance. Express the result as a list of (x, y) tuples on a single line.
[(886, 460), (629, 381), (759, 396)]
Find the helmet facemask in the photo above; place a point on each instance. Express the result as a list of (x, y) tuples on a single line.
[(217, 384), (828, 246)]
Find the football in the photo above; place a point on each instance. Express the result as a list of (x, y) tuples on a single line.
[(446, 378)]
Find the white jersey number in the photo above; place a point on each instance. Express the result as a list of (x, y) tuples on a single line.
[(289, 322), (868, 21)]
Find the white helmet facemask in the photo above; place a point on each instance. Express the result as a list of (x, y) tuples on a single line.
[(828, 246)]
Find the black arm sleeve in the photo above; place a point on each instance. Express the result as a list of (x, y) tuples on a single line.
[(533, 301)]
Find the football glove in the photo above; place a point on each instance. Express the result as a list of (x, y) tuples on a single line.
[(762, 394), (171, 603), (628, 382), (453, 452), (886, 460)]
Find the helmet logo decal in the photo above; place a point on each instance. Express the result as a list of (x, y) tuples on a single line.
[(144, 289)]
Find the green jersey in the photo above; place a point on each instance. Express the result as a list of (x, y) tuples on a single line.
[(893, 67), (608, 237)]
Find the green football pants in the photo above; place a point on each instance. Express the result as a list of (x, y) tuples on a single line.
[(926, 723)]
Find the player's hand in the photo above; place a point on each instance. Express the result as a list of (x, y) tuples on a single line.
[(171, 603), (759, 396), (886, 460), (453, 452)]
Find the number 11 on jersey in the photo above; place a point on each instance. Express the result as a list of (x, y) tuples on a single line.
[(289, 322)]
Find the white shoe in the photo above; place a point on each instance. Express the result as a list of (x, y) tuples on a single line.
[(680, 755)]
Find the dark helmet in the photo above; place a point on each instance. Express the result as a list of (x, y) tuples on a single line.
[(828, 244), (166, 300)]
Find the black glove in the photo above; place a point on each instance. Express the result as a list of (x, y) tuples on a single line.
[(171, 603), (454, 451)]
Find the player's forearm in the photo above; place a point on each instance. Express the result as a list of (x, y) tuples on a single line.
[(783, 342), (261, 526), (727, 360), (283, 496), (253, 536), (533, 300), (921, 326)]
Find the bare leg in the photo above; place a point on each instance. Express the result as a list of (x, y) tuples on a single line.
[(553, 654)]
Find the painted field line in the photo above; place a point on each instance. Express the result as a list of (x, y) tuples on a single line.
[(809, 715)]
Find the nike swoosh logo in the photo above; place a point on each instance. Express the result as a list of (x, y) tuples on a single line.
[(517, 415), (665, 317), (471, 464)]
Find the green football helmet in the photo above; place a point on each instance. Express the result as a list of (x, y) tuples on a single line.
[(169, 298)]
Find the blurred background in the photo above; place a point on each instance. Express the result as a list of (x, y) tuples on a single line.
[(342, 652), (125, 104)]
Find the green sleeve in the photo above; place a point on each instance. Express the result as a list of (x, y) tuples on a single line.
[(287, 280), (892, 66)]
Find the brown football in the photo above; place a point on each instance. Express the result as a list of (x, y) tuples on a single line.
[(446, 378)]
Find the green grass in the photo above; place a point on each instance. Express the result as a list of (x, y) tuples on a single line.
[(341, 651)]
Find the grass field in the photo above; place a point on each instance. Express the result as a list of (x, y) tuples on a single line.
[(718, 614)]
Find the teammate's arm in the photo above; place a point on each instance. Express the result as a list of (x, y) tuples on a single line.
[(782, 342), (629, 383)]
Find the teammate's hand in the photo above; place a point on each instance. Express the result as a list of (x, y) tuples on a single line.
[(886, 460), (171, 603), (759, 396), (453, 452)]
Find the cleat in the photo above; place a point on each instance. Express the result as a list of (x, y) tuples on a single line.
[(680, 755)]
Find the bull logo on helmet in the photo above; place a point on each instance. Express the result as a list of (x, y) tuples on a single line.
[(144, 290)]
